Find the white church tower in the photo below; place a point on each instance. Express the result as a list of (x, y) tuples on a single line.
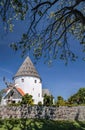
[(29, 81)]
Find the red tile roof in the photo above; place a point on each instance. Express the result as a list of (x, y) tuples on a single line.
[(20, 91)]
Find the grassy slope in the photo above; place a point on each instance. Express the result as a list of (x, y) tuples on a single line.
[(36, 124)]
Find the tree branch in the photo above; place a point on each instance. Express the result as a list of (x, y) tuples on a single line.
[(45, 3)]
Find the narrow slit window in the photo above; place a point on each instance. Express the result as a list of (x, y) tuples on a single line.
[(35, 81), (22, 80), (38, 94)]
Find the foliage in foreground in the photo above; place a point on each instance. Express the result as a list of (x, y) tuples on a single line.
[(37, 124)]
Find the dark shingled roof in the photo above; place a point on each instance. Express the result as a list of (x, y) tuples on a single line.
[(27, 69)]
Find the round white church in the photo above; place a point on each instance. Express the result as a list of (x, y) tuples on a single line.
[(26, 80)]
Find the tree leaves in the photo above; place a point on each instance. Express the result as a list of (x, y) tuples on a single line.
[(27, 99), (50, 25), (79, 97)]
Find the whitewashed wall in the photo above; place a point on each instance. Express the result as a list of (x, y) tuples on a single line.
[(30, 85)]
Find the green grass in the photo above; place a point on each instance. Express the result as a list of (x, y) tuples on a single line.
[(39, 124)]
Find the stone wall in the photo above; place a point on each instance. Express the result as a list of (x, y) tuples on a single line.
[(54, 113)]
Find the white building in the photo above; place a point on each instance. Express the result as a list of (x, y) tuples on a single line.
[(29, 81), (26, 80)]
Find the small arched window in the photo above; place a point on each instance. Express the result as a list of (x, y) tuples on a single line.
[(22, 80), (38, 94), (35, 81)]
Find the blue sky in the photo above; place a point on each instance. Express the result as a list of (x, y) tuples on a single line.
[(58, 78)]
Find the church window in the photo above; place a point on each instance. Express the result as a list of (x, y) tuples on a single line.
[(35, 81), (22, 80), (38, 94)]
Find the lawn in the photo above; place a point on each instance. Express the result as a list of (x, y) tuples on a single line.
[(39, 124)]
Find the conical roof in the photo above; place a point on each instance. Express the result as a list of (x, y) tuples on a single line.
[(27, 69)]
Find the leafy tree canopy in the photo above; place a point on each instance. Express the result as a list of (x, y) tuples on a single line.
[(27, 99), (48, 100), (60, 101), (51, 22), (79, 97)]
